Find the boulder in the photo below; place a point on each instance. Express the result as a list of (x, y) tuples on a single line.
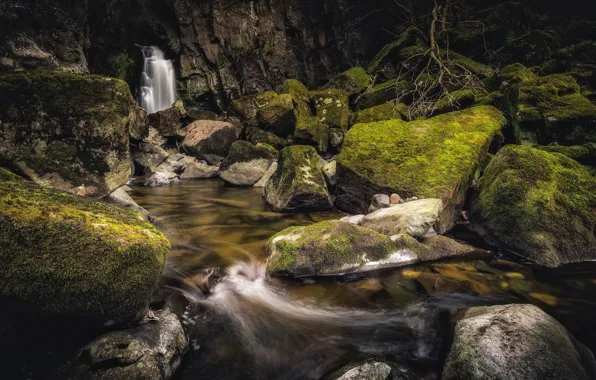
[(121, 198), (379, 201), (147, 157), (584, 154), (209, 140), (311, 131), (352, 82), (385, 111), (176, 163), (67, 130), (247, 163), (414, 218), (278, 116), (336, 137), (265, 178), (383, 93), (199, 170), (75, 256), (549, 201), (515, 342), (435, 158), (333, 108), (138, 124), (247, 107), (300, 95), (330, 173), (330, 248), (368, 371), (354, 219), (169, 122), (457, 100), (256, 135), (439, 247), (162, 178), (149, 351), (298, 183)]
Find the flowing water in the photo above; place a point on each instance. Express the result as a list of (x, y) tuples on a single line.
[(250, 326), (158, 81)]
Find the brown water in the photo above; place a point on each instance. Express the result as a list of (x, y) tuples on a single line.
[(283, 329)]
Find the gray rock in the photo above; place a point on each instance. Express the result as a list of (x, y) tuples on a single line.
[(379, 201), (209, 140), (176, 163), (150, 351), (199, 170), (336, 137), (161, 179), (263, 181), (394, 199), (515, 342), (330, 173), (169, 122), (414, 218), (122, 199), (368, 371), (354, 219), (247, 163)]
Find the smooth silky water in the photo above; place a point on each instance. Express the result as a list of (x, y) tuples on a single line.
[(253, 327)]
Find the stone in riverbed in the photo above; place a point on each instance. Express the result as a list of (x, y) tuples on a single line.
[(265, 178), (209, 140), (379, 201), (75, 256), (150, 351), (176, 163), (540, 205), (199, 170), (247, 163), (415, 218), (368, 371), (66, 130), (161, 179), (435, 158), (122, 199), (298, 183), (515, 342)]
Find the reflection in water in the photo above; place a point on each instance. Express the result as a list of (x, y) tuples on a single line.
[(258, 328)]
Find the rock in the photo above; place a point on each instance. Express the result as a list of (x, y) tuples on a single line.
[(247, 163), (301, 97), (515, 342), (354, 219), (122, 199), (147, 157), (209, 140), (169, 121), (329, 248), (311, 131), (385, 111), (198, 170), (247, 108), (383, 93), (352, 82), (67, 130), (434, 158), (387, 63), (298, 185), (549, 201), (379, 201), (176, 163), (394, 199), (436, 247), (151, 351), (414, 218), (368, 371), (256, 135), (457, 100), (333, 108), (105, 259), (336, 137), (584, 154), (330, 173), (268, 174), (548, 109), (161, 179), (278, 116), (138, 123)]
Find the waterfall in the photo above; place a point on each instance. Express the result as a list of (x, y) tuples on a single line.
[(158, 81)]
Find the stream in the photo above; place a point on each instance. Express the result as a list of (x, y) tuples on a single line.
[(254, 327)]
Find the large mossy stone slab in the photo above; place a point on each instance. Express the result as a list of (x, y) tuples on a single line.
[(433, 158), (75, 256), (66, 130), (541, 205)]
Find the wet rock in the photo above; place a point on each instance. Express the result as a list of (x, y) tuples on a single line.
[(247, 163), (414, 218), (162, 179), (147, 157), (515, 342), (437, 247), (433, 158), (353, 81), (209, 140), (379, 201), (368, 371), (151, 351), (199, 170), (176, 163), (549, 201), (268, 174), (298, 183), (48, 236), (333, 108), (122, 199), (330, 248), (67, 130), (169, 122)]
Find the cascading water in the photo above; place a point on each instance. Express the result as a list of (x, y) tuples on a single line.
[(158, 81)]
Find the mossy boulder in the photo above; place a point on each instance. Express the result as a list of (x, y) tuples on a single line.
[(247, 107), (311, 131), (353, 81), (75, 256), (298, 183), (247, 163), (170, 121), (333, 108), (300, 95), (67, 130), (434, 158), (382, 93), (456, 100), (258, 136), (541, 205), (209, 140), (584, 154), (278, 116), (326, 248), (548, 109), (386, 111)]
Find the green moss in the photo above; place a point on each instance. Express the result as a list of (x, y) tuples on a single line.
[(296, 89), (584, 154), (517, 73), (456, 100), (382, 93), (549, 201), (278, 116), (76, 256), (256, 136), (311, 131), (385, 111), (247, 107), (332, 107), (353, 81), (496, 99), (481, 70), (329, 247)]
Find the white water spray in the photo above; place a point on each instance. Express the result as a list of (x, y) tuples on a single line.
[(158, 81)]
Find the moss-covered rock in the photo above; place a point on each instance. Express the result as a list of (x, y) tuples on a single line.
[(353, 81), (247, 163), (300, 95), (169, 122), (434, 158), (584, 154), (278, 116), (538, 204), (386, 111), (67, 130), (326, 248), (457, 100), (247, 107), (382, 93), (548, 109), (311, 131), (298, 183), (75, 256), (333, 108)]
